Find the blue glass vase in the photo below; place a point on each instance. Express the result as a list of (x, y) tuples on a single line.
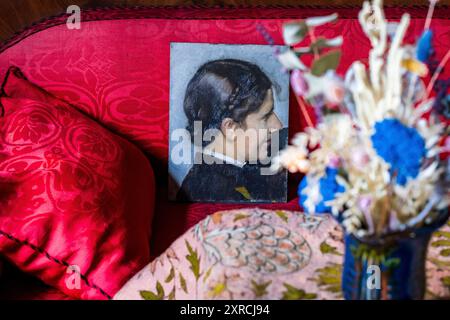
[(391, 267)]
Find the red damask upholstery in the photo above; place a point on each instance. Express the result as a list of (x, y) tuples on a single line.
[(71, 194), (116, 69)]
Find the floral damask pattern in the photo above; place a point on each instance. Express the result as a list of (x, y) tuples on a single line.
[(218, 259), (64, 191), (39, 146), (117, 71)]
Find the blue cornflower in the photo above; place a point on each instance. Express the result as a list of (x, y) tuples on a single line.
[(328, 187), (402, 147), (425, 46)]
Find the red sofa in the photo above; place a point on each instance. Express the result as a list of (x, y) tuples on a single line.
[(116, 69)]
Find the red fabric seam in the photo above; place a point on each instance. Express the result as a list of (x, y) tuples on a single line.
[(53, 259)]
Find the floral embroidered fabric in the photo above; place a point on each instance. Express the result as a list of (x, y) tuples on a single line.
[(263, 254)]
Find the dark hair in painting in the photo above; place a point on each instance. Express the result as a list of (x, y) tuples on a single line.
[(221, 89)]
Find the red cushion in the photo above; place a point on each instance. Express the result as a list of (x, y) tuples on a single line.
[(17, 285), (72, 193)]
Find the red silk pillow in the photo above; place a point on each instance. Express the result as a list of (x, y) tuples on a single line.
[(71, 194)]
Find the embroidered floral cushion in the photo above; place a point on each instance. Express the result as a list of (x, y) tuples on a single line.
[(76, 201), (261, 254)]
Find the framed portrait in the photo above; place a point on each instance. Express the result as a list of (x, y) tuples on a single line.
[(228, 117)]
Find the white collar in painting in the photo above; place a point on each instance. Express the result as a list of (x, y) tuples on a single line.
[(224, 158)]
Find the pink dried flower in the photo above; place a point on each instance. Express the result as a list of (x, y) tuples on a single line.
[(360, 158), (334, 161), (334, 89), (298, 83)]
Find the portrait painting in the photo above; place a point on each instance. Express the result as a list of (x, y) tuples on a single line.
[(228, 117)]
